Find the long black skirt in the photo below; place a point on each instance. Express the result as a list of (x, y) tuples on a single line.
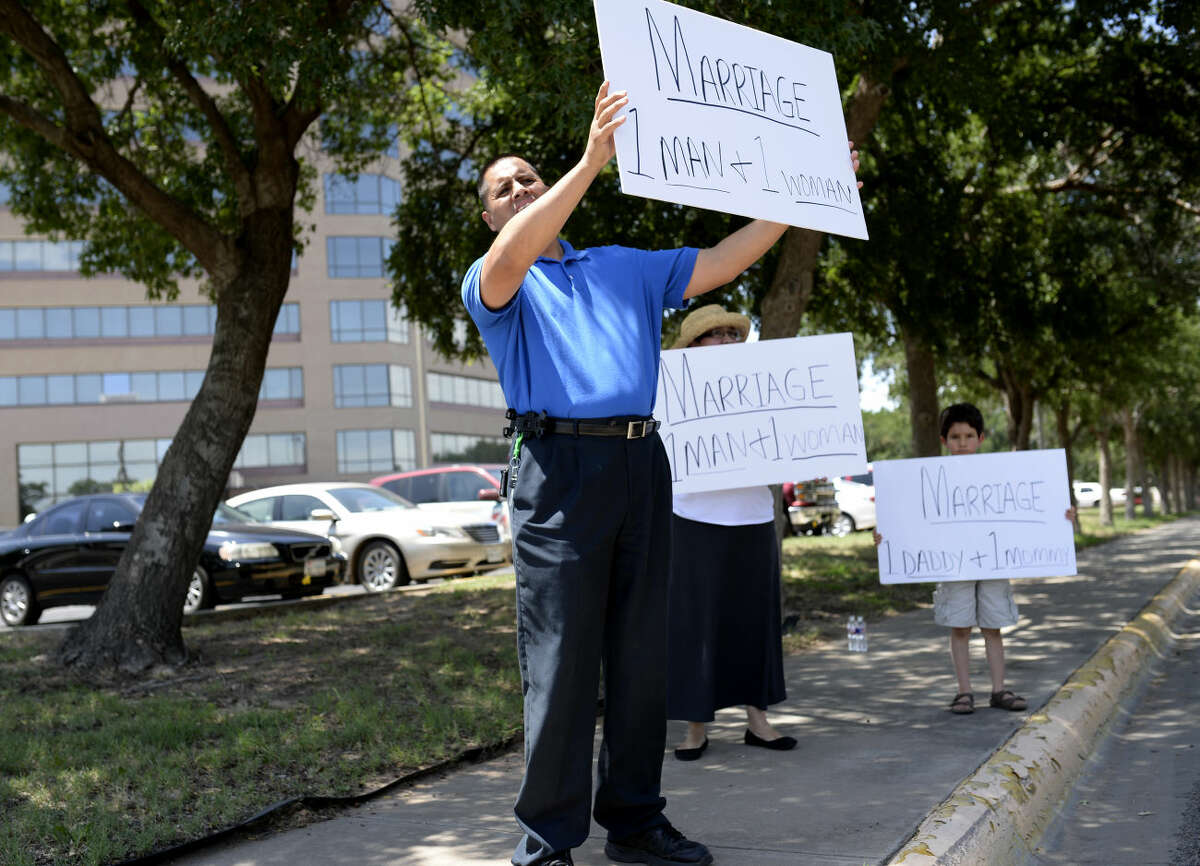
[(723, 628)]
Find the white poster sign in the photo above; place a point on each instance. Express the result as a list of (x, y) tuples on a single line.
[(727, 118), (742, 414), (974, 517)]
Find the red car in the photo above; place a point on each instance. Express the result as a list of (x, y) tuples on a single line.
[(461, 482)]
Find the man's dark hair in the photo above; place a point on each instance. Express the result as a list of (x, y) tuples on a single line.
[(481, 189), (963, 413)]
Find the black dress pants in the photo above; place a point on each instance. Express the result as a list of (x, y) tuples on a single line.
[(591, 542)]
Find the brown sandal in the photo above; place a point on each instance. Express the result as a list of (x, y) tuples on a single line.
[(963, 703), (1006, 700)]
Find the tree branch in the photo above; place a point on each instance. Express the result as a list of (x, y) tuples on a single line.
[(297, 120), (200, 98), (416, 66), (83, 137), (130, 98), (994, 381)]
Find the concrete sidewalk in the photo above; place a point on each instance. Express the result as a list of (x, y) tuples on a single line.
[(878, 750)]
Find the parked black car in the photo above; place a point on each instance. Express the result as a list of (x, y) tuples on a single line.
[(68, 554)]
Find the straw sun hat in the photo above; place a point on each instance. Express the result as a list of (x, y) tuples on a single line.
[(704, 319)]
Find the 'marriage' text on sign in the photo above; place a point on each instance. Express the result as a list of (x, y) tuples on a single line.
[(728, 118), (974, 517), (760, 413)]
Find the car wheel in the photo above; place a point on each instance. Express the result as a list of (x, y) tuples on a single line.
[(843, 524), (199, 593), (18, 605), (381, 567)]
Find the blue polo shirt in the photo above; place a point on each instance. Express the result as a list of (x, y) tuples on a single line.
[(580, 338)]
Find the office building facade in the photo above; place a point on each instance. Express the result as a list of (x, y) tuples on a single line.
[(95, 378)]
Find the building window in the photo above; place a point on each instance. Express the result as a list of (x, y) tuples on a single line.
[(26, 256), (116, 323), (272, 449), (283, 383), (350, 256), (357, 385), (49, 471), (366, 194), (330, 138), (375, 451), (464, 390), (366, 322), (468, 448)]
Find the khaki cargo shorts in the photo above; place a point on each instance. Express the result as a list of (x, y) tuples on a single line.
[(966, 603)]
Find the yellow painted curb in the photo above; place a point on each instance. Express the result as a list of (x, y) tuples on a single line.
[(998, 814)]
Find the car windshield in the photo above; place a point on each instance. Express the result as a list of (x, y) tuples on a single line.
[(227, 514), (360, 499), (866, 478)]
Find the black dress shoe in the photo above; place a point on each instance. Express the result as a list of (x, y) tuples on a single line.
[(560, 858), (659, 846), (779, 744), (691, 754)]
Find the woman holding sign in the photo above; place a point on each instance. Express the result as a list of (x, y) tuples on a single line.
[(724, 636)]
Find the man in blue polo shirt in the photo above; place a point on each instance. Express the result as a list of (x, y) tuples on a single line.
[(575, 336)]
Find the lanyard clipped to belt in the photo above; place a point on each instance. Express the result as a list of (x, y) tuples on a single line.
[(508, 475)]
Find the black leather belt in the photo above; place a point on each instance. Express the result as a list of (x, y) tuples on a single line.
[(539, 424)]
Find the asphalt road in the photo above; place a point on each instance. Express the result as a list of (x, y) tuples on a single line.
[(1138, 802)]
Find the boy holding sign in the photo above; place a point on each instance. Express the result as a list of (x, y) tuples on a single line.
[(964, 604)]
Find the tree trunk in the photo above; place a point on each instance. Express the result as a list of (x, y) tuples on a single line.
[(1019, 402), (1166, 478), (922, 398), (1106, 508), (1062, 419), (791, 285), (137, 624), (785, 302), (1132, 475), (1182, 492)]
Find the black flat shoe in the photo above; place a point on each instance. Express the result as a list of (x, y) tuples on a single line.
[(779, 744), (691, 754)]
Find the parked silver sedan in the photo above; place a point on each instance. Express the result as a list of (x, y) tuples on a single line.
[(387, 540)]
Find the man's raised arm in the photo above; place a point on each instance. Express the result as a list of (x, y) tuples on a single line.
[(525, 232)]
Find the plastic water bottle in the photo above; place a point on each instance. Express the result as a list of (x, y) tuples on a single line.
[(850, 636), (862, 635)]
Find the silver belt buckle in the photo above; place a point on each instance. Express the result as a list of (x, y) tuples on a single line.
[(641, 434)]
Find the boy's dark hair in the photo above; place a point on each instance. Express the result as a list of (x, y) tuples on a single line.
[(481, 188), (963, 413)]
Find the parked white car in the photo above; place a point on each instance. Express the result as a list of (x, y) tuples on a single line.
[(1088, 493), (387, 540), (857, 504), (1119, 496)]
